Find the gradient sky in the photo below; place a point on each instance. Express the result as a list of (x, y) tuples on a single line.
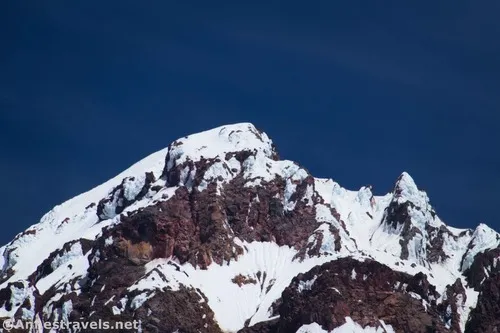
[(354, 91)]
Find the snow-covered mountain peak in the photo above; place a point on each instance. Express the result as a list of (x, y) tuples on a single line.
[(218, 230), (483, 231), (218, 142), (406, 189), (483, 238)]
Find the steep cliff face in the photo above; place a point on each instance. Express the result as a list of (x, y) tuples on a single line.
[(216, 234)]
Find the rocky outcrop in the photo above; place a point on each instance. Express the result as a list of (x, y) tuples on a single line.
[(56, 258), (350, 288), (485, 265), (368, 292), (129, 191), (485, 317), (484, 276), (434, 248), (200, 226), (422, 236), (107, 295), (183, 311), (455, 296)]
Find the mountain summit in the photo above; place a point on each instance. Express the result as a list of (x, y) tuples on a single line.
[(216, 233)]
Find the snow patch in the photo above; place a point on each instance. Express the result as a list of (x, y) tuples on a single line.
[(270, 265), (306, 285)]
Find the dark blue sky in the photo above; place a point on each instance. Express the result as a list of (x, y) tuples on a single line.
[(356, 91)]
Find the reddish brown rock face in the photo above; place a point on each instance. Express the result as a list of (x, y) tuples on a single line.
[(484, 276), (200, 227), (485, 264), (485, 318), (240, 280), (365, 291)]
